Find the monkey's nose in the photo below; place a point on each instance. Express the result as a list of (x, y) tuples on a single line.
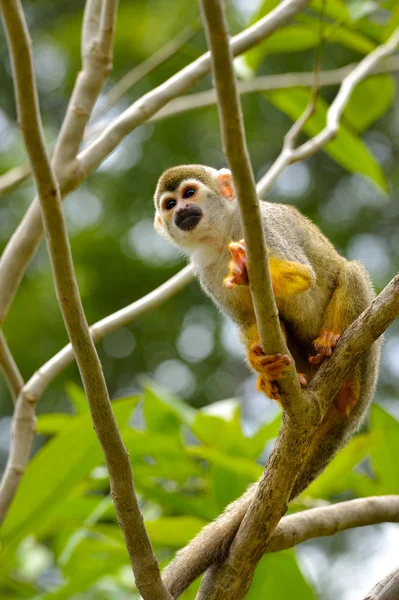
[(188, 217)]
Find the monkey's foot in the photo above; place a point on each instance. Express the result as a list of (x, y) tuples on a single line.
[(303, 382), (237, 266), (270, 368), (324, 345), (269, 388)]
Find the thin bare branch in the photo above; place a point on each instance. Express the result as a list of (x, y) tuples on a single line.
[(13, 178), (97, 41), (142, 558), (329, 520), (149, 64), (25, 241), (263, 83), (60, 361), (9, 368), (290, 155), (387, 588), (23, 424)]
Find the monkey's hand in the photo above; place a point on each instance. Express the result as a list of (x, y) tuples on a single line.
[(324, 345), (270, 368), (237, 266)]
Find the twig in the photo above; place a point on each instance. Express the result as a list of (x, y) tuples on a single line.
[(25, 241), (10, 369), (149, 64), (142, 558), (387, 588), (97, 43), (13, 178), (267, 83), (290, 155), (329, 520), (40, 380)]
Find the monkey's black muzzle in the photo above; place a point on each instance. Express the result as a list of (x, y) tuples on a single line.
[(187, 218)]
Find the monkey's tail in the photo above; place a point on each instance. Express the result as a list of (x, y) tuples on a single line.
[(213, 542)]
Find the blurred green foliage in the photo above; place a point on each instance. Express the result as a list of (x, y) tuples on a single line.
[(65, 543), (60, 539)]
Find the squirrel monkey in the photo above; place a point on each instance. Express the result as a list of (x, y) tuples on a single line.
[(318, 295)]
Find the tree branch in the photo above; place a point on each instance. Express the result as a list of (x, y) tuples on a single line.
[(265, 83), (236, 152), (289, 154), (144, 68), (11, 179), (25, 241), (23, 424), (143, 561), (10, 369), (329, 520), (387, 588)]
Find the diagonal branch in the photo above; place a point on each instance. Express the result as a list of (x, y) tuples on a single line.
[(10, 369), (142, 558), (25, 241), (264, 83), (23, 424), (149, 64)]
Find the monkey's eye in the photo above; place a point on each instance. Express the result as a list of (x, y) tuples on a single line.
[(169, 204), (189, 192)]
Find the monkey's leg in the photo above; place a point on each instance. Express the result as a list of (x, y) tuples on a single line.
[(288, 277), (353, 293)]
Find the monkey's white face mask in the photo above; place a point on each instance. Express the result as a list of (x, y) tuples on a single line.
[(194, 212)]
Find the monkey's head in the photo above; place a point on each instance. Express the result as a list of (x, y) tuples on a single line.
[(193, 204)]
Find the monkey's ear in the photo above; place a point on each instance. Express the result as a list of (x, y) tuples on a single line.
[(225, 182)]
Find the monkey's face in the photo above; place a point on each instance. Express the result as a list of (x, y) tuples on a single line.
[(191, 204)]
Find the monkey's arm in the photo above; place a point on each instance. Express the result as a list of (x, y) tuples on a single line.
[(288, 278)]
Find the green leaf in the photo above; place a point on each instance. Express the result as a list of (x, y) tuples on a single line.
[(392, 23), (90, 561), (55, 470), (336, 10), (369, 101), (336, 477), (78, 397), (52, 423), (238, 467), (292, 38), (279, 576), (347, 149), (164, 412), (384, 455), (174, 531), (227, 435)]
